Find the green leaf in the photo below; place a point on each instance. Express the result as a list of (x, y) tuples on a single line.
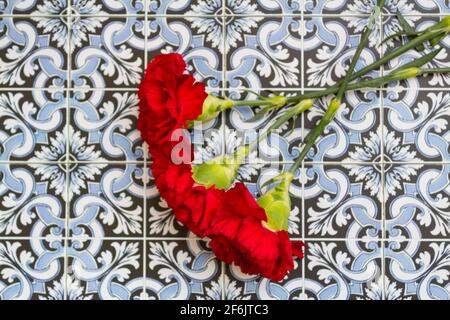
[(437, 39), (408, 29), (261, 113), (417, 63)]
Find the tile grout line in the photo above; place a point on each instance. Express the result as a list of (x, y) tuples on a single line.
[(223, 119), (302, 82), (383, 208), (119, 238), (232, 89), (307, 163), (67, 164), (146, 173)]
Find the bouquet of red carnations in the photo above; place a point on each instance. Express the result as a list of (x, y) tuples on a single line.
[(205, 197)]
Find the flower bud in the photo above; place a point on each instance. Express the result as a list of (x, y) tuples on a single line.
[(212, 106), (303, 105), (221, 171), (277, 203), (405, 73), (277, 101)]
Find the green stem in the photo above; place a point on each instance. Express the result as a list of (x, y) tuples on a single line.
[(329, 115), (291, 112), (331, 111), (430, 71), (253, 103), (362, 43), (426, 35)]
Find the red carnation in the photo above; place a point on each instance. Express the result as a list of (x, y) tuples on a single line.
[(193, 205), (239, 235), (169, 98)]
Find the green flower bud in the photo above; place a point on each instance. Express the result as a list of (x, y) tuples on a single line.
[(277, 203), (221, 171), (442, 26), (277, 101), (211, 108), (405, 73), (303, 105), (334, 106)]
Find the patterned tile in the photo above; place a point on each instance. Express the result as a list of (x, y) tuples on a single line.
[(417, 201), (106, 200), (254, 7), (33, 125), (365, 7), (33, 52), (224, 7), (107, 52), (181, 270), (105, 270), (353, 135), (343, 201), (338, 270), (107, 7), (417, 270), (267, 54), (329, 45), (36, 7), (191, 37), (32, 269), (103, 126), (416, 125), (241, 286), (33, 200)]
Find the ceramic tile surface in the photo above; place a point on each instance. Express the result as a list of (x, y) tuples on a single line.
[(81, 218)]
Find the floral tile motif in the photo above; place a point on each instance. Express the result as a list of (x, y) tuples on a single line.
[(224, 7), (241, 286), (417, 203), (329, 44), (33, 200), (263, 52), (242, 7), (105, 270), (355, 133), (343, 201), (416, 125), (106, 200), (107, 7), (107, 52), (32, 125), (417, 270), (187, 36), (42, 7), (365, 7), (103, 126), (182, 270), (33, 53), (32, 269), (338, 270)]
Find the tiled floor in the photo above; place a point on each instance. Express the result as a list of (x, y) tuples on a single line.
[(80, 217)]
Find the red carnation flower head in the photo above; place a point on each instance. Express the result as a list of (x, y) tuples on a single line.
[(171, 98), (193, 204), (252, 235)]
